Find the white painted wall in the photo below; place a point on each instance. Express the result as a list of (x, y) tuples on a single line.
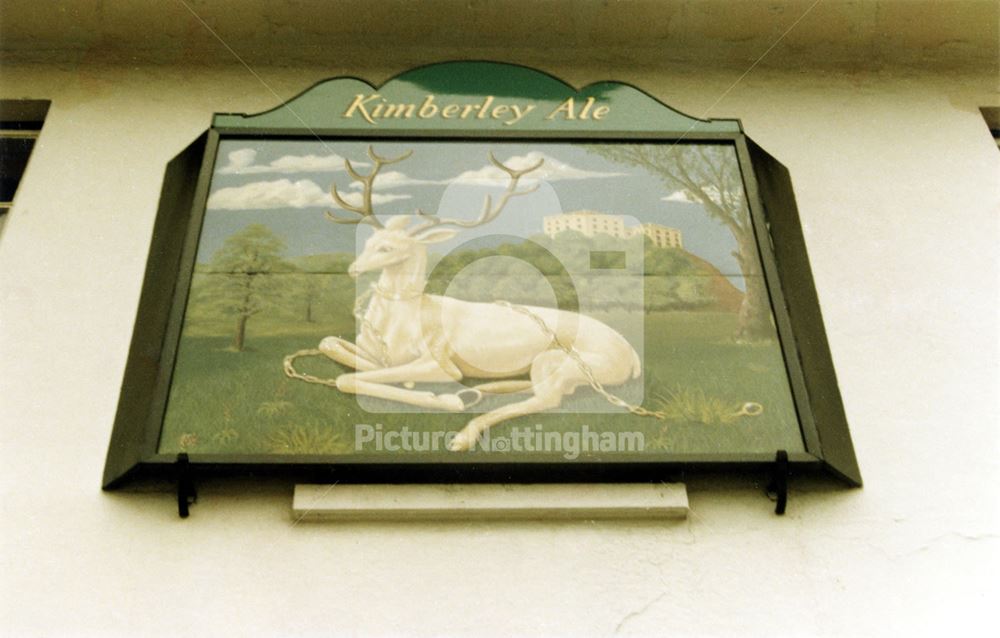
[(896, 179)]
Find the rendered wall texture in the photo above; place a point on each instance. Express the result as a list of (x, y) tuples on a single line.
[(896, 180), (828, 33)]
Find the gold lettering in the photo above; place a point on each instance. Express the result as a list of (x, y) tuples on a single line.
[(519, 113), (601, 111), (372, 107), (359, 105), (400, 110), (586, 108), (566, 108), (484, 107), (428, 108)]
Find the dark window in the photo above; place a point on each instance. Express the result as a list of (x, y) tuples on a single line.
[(20, 122)]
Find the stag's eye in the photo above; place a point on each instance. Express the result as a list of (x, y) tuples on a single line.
[(385, 249)]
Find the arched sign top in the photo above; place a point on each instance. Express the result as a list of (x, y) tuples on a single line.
[(471, 97)]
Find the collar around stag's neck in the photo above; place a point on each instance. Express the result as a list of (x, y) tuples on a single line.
[(397, 295)]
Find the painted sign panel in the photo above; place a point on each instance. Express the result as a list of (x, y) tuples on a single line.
[(507, 298)]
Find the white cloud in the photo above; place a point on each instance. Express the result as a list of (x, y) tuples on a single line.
[(242, 162), (239, 160), (550, 170), (396, 179), (355, 199), (684, 196), (679, 196), (284, 193)]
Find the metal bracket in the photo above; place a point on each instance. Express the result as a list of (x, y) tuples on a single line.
[(779, 482), (186, 494)]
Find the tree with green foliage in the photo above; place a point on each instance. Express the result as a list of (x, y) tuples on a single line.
[(241, 276), (709, 175), (308, 289)]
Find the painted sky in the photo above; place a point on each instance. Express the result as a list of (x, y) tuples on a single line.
[(285, 185)]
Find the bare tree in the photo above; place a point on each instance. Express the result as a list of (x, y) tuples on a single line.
[(709, 175)]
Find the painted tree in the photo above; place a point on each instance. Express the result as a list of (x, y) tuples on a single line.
[(709, 175), (308, 288), (241, 278)]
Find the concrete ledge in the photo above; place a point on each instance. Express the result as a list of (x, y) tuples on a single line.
[(489, 501)]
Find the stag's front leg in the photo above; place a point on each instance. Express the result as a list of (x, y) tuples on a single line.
[(553, 375), (374, 383), (545, 399)]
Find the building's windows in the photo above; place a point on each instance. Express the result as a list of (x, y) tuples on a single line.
[(20, 122)]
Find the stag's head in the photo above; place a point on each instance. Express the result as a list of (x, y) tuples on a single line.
[(396, 241), (394, 244)]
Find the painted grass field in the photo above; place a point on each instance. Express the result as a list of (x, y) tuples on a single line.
[(230, 402)]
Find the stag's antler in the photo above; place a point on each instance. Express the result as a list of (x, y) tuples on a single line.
[(489, 212), (365, 212)]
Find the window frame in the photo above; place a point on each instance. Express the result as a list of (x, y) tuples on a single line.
[(30, 114)]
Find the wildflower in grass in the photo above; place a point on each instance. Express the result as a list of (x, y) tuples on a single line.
[(224, 437), (274, 408)]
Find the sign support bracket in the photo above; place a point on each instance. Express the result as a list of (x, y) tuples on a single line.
[(186, 494), (779, 482)]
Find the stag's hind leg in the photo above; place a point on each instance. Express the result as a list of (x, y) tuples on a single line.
[(377, 383), (554, 374)]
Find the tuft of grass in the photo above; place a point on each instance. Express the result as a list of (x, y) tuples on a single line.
[(307, 439), (693, 405)]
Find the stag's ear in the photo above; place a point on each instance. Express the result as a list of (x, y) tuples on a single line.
[(397, 222), (435, 235)]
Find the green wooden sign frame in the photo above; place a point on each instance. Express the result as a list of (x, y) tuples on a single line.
[(474, 102)]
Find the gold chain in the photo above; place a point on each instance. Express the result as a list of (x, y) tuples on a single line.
[(290, 370), (288, 364), (585, 368), (748, 409)]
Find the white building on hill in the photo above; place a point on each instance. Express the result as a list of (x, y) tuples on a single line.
[(587, 222), (590, 223), (662, 236)]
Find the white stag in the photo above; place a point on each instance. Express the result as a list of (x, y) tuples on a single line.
[(408, 337)]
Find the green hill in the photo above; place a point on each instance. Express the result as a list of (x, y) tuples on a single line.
[(573, 267)]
